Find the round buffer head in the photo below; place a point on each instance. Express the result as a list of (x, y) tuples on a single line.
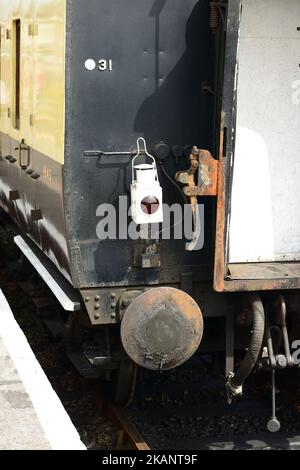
[(162, 328)]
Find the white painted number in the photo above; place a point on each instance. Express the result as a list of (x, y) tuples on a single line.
[(104, 65)]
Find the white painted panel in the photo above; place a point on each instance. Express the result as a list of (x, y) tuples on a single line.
[(265, 220)]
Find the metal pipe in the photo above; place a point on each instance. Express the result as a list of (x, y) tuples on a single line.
[(273, 394), (285, 336), (236, 381), (270, 343)]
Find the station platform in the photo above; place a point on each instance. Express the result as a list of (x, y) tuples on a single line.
[(31, 414)]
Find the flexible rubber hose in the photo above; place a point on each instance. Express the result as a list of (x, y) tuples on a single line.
[(256, 341)]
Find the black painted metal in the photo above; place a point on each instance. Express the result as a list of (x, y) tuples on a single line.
[(38, 210), (161, 52)]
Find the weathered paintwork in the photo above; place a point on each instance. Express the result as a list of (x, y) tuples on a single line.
[(149, 92), (162, 328)]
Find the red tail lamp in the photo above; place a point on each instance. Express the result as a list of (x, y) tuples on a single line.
[(150, 205)]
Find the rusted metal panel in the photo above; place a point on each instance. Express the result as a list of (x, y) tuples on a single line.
[(259, 285), (264, 271), (207, 176), (226, 142), (219, 262), (206, 168)]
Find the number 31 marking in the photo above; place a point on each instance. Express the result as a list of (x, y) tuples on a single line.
[(104, 65)]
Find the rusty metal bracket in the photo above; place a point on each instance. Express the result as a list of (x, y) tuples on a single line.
[(200, 180), (206, 168)]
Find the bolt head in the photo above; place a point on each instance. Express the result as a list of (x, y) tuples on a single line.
[(113, 316), (281, 361), (97, 316), (274, 425)]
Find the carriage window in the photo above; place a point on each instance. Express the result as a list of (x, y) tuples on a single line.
[(17, 71)]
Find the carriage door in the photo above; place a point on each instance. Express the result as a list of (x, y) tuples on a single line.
[(259, 203), (265, 222)]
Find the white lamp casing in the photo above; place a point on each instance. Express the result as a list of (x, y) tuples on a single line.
[(146, 184)]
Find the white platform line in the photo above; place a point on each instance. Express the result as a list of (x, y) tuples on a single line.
[(60, 293), (57, 425)]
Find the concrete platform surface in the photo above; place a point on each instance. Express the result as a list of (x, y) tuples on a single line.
[(31, 414)]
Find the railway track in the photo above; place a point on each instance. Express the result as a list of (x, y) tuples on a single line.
[(181, 409), (128, 436)]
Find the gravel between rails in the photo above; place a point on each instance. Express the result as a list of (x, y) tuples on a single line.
[(189, 404)]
